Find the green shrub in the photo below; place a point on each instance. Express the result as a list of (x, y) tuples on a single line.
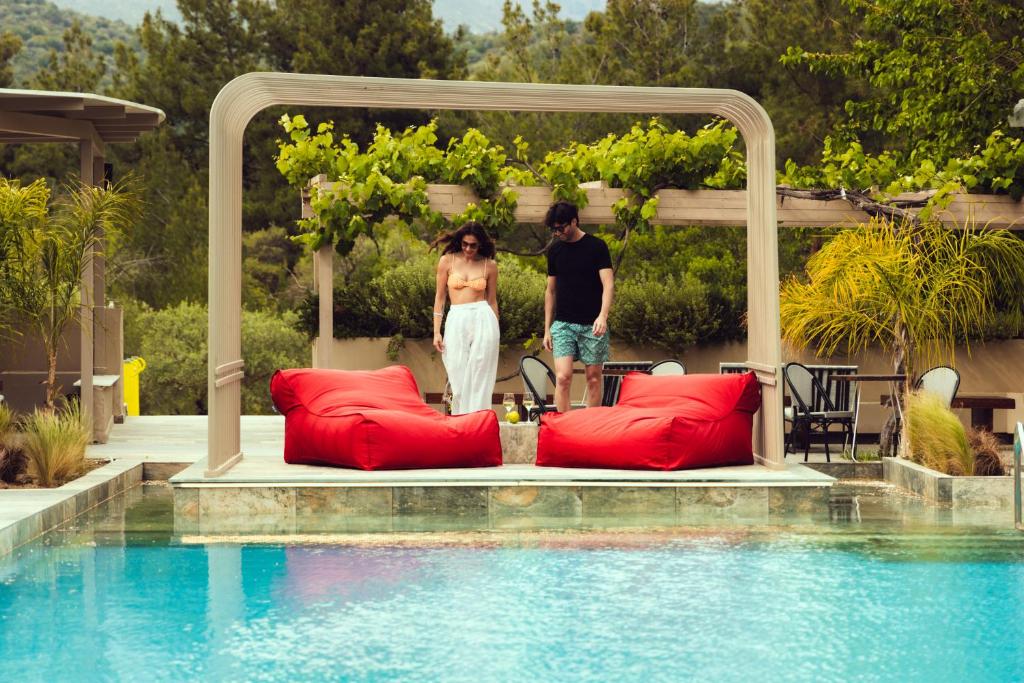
[(12, 459), (714, 258), (935, 436), (406, 296), (355, 314), (672, 313), (54, 443), (400, 301), (269, 342), (174, 342), (6, 421), (520, 300)]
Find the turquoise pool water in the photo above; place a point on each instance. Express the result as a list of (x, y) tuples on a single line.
[(890, 597)]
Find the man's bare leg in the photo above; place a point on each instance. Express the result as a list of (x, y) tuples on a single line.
[(563, 383), (594, 385)]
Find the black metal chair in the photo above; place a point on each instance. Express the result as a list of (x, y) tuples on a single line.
[(613, 383), (732, 368), (537, 378), (814, 408)]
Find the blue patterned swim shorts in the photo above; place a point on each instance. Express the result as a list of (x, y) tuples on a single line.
[(580, 342)]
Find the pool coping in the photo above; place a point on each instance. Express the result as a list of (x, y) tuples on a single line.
[(27, 514), (960, 493)]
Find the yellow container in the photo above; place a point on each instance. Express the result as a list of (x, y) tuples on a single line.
[(133, 367)]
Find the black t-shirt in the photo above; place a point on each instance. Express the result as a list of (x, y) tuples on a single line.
[(575, 266)]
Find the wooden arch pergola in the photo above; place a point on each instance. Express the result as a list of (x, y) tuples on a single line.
[(90, 121), (247, 95)]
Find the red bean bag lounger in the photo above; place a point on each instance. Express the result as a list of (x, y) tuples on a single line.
[(669, 422), (376, 420)]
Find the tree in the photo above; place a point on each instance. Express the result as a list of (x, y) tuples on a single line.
[(804, 106), (916, 293), (214, 42), (77, 68), (44, 252), (10, 45), (539, 47), (944, 73)]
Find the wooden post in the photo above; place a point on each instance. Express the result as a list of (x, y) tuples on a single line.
[(324, 276), (87, 357)]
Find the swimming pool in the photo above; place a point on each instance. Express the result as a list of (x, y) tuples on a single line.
[(893, 596)]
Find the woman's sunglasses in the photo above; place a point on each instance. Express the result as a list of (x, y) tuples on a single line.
[(470, 245)]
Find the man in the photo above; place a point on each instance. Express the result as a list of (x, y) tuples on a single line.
[(576, 303)]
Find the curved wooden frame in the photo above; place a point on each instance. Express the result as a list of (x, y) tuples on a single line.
[(247, 95)]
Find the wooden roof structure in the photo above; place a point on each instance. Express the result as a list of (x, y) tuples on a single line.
[(28, 116), (91, 122)]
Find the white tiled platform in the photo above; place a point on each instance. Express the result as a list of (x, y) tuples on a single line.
[(263, 464), (261, 470)]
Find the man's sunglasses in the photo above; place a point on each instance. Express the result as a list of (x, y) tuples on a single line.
[(559, 228)]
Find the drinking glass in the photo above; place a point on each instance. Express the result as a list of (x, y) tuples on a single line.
[(528, 404), (509, 401)]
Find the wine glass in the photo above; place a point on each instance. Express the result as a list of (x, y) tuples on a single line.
[(528, 404), (509, 401)]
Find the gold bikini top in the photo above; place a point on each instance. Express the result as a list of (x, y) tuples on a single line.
[(458, 282)]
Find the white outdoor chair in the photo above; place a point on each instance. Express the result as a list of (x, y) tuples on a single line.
[(943, 381), (668, 367)]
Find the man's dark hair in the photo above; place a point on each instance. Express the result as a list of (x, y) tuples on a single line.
[(561, 213)]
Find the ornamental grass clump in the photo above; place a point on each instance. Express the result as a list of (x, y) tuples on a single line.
[(12, 459), (985, 445), (54, 443), (935, 436)]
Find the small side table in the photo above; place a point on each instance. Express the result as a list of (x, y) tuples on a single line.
[(518, 442)]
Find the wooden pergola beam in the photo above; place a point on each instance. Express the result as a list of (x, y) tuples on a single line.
[(44, 103), (50, 126), (723, 208)]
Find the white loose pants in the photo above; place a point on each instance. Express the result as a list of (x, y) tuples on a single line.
[(471, 355)]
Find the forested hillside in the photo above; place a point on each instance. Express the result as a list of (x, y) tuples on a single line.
[(128, 11), (40, 26), (482, 16)]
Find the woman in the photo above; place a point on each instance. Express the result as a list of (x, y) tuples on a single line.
[(468, 275)]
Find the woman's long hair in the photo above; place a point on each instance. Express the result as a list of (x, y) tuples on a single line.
[(452, 240)]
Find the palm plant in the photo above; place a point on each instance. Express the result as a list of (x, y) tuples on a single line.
[(44, 251), (916, 292)]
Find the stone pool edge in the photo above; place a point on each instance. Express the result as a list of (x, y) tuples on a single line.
[(27, 514)]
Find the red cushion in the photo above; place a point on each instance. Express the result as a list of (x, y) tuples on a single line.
[(376, 420), (660, 423)]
